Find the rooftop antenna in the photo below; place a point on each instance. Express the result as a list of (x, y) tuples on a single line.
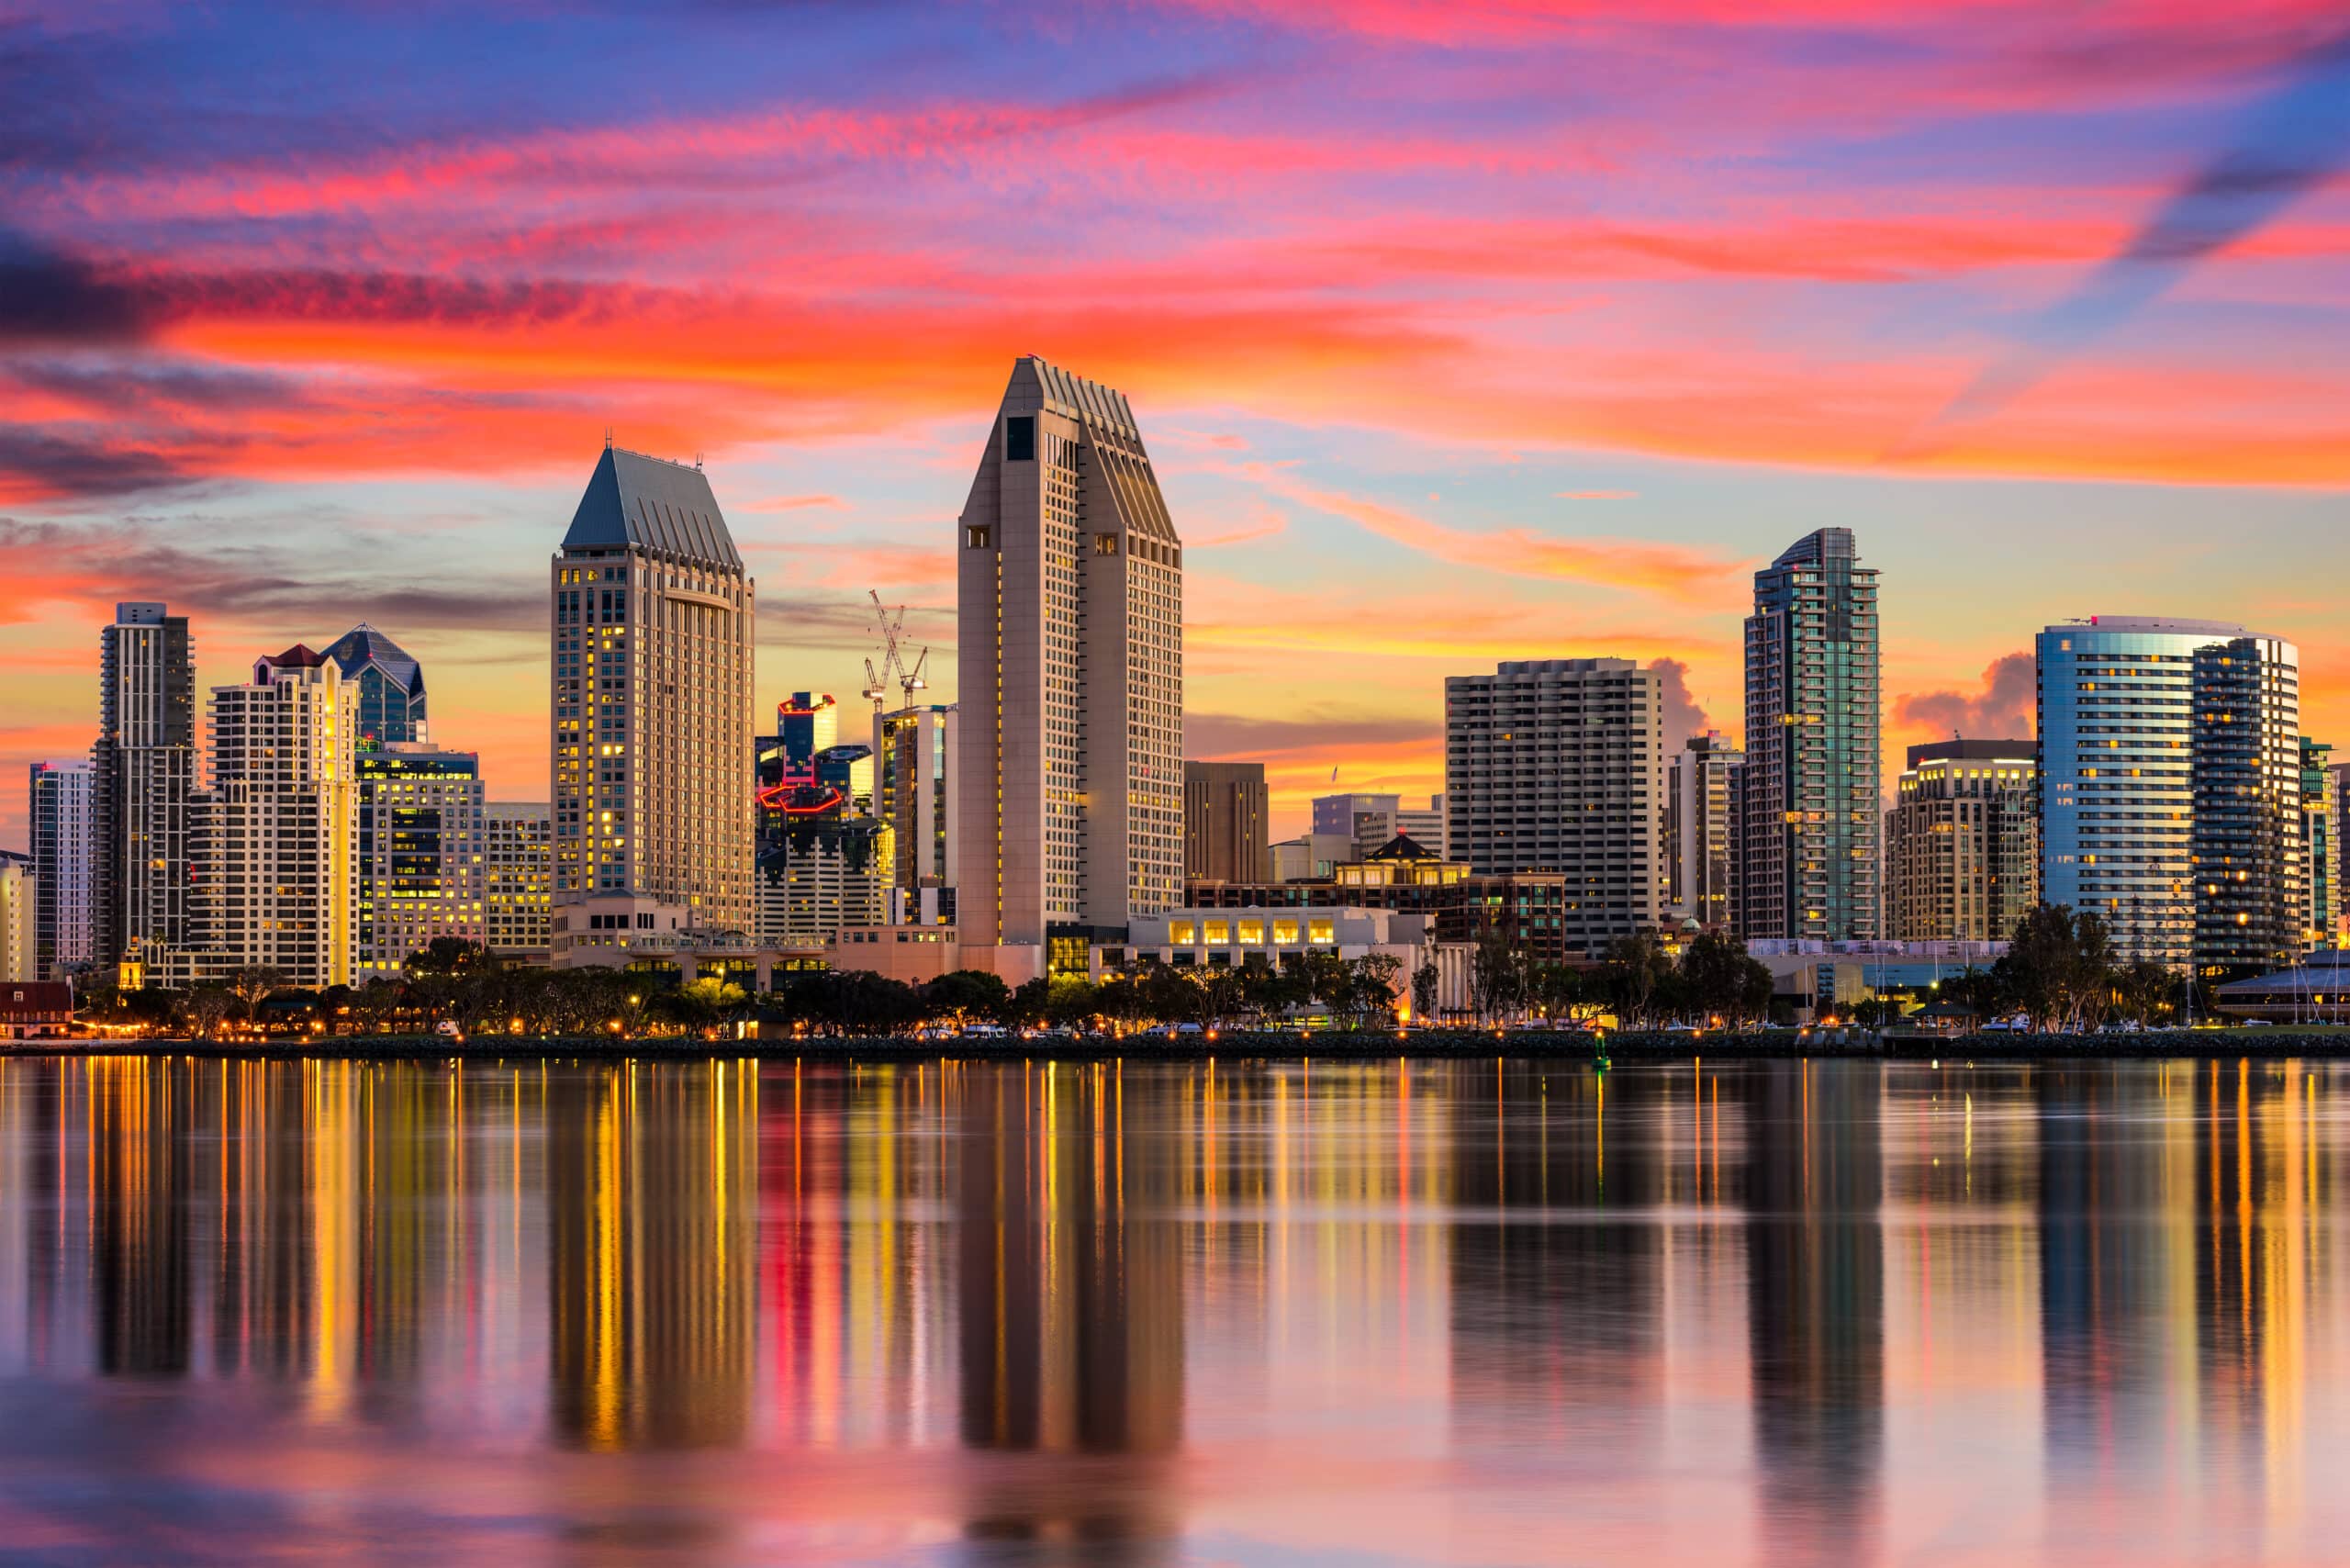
[(608, 438), (891, 626)]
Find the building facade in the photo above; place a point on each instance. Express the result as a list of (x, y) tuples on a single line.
[(1558, 765), (390, 682), (517, 879), (1227, 808), (652, 631), (1810, 783), (145, 767), (1069, 587), (2320, 848), (277, 839), (1367, 820), (913, 791), (419, 851), (19, 919), (63, 814), (823, 874), (2116, 709), (2245, 847), (1962, 842), (1701, 831)]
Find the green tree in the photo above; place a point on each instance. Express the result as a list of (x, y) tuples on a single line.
[(967, 996), (2059, 967), (1634, 967), (1424, 981), (254, 984), (447, 955), (207, 1005), (1497, 975)]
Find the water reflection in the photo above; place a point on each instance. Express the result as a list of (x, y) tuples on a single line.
[(1024, 1313)]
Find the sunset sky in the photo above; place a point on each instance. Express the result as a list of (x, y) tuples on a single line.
[(1458, 331)]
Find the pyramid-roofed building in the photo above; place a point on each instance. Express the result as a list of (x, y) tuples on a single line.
[(655, 504), (391, 684)]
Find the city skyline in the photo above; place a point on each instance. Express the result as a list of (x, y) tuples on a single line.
[(1410, 429)]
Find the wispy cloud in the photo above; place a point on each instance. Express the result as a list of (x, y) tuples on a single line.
[(2292, 140), (1682, 573)]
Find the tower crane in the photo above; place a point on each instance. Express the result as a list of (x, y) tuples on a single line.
[(893, 671)]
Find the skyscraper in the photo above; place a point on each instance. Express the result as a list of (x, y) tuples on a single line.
[(277, 852), (1558, 765), (652, 666), (64, 842), (2321, 847), (2251, 883), (2117, 801), (20, 918), (913, 791), (1225, 810), (1369, 820), (1700, 830), (518, 869), (390, 682), (418, 854), (145, 765), (1962, 842), (1810, 780), (1070, 593)]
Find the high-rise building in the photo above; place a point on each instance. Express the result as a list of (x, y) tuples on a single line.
[(806, 722), (652, 665), (913, 791), (64, 845), (390, 682), (277, 860), (518, 872), (1368, 820), (2117, 800), (20, 918), (144, 760), (2321, 848), (1809, 812), (1225, 809), (1357, 815), (2251, 883), (420, 853), (1700, 830), (1071, 592), (820, 874), (1423, 828), (1558, 765), (1962, 842)]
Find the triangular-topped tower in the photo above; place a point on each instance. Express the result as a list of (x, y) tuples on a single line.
[(651, 664), (1070, 591)]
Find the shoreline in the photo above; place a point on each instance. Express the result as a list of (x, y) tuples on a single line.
[(1335, 1045)]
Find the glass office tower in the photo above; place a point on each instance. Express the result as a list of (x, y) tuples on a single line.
[(1810, 794), (2117, 795)]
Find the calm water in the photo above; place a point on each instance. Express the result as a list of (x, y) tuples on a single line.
[(1457, 1312)]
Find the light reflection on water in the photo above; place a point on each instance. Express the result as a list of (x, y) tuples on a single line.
[(1401, 1312)]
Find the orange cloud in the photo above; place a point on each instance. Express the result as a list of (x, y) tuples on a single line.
[(1670, 571)]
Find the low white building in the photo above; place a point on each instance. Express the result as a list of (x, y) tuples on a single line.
[(1230, 938)]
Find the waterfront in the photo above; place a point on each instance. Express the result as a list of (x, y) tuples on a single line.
[(1456, 1311)]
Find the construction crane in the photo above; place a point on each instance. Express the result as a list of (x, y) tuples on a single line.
[(891, 626)]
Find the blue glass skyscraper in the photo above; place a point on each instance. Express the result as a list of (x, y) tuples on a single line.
[(391, 686), (1810, 802), (2118, 758)]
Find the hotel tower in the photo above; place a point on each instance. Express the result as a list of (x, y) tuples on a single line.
[(1070, 594), (651, 664)]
